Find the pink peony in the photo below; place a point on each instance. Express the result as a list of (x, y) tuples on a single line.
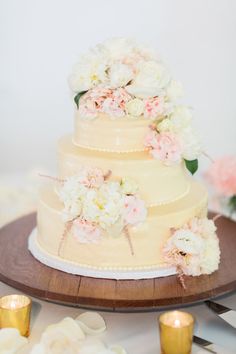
[(164, 146), (85, 231), (153, 107), (135, 211), (222, 175)]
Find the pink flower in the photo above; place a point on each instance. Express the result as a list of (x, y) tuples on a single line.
[(85, 231), (92, 177), (164, 146), (135, 211), (222, 175), (154, 107)]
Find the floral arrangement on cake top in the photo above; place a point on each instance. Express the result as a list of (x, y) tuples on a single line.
[(194, 248), (96, 206), (121, 78), (222, 177)]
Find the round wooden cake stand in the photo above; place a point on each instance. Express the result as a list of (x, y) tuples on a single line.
[(19, 269)]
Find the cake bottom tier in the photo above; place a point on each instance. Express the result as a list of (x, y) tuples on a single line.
[(112, 257)]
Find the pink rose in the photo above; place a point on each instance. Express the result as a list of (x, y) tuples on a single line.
[(164, 146), (222, 175), (85, 231), (135, 211), (154, 107)]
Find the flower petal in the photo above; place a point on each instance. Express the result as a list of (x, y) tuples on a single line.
[(91, 322)]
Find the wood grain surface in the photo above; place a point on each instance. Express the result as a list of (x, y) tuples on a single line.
[(19, 269)]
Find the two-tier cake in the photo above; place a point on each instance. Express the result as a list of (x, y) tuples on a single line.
[(125, 205)]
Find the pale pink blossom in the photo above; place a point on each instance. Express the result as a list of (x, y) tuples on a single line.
[(92, 177), (153, 107), (85, 231), (222, 175), (164, 146), (134, 211)]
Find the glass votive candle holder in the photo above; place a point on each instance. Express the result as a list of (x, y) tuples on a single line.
[(15, 312), (176, 332)]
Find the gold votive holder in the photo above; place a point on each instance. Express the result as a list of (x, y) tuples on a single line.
[(15, 312), (176, 332)]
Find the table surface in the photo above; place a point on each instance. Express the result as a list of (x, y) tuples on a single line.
[(137, 332)]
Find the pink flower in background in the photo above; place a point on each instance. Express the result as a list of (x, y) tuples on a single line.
[(164, 146), (134, 210), (85, 231), (153, 107), (222, 175)]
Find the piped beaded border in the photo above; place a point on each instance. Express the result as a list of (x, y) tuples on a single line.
[(139, 272)]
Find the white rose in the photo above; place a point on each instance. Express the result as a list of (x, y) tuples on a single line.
[(135, 107), (119, 75), (129, 186), (150, 80), (188, 242), (174, 90)]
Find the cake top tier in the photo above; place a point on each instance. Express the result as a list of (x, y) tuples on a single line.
[(127, 101), (120, 77)]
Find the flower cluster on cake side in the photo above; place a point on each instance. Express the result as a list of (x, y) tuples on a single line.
[(96, 206), (194, 248), (120, 78)]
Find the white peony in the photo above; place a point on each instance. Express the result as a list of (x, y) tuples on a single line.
[(104, 206), (63, 337), (188, 242), (119, 75), (135, 107), (174, 90), (11, 341), (150, 80), (116, 49), (89, 72), (129, 186)]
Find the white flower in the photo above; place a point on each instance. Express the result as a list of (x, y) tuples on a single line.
[(72, 194), (191, 144), (135, 107), (119, 75), (129, 186), (188, 242), (179, 119), (117, 49), (63, 337), (89, 72), (104, 205), (150, 80), (174, 90), (211, 258), (11, 341)]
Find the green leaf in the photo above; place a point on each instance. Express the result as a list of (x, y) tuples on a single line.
[(78, 97), (232, 204), (191, 165)]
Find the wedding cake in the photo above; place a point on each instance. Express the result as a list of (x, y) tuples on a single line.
[(124, 204)]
